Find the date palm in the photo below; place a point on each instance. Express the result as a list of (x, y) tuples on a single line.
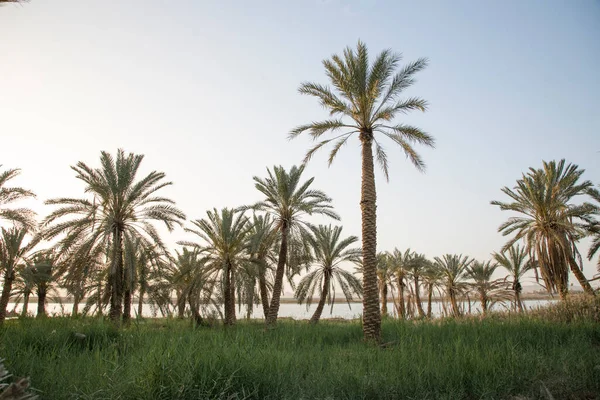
[(193, 282), (549, 222), (593, 227), (515, 261), (431, 278), (400, 262), (289, 201), (329, 251), (452, 269), (43, 273), (261, 242), (119, 207), (14, 250), (365, 102), (8, 195), (416, 269), (489, 290), (385, 277), (225, 236)]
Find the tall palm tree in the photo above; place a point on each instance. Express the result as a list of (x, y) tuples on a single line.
[(416, 269), (329, 251), (225, 234), (8, 195), (549, 223), (365, 102), (120, 207), (14, 250), (453, 268), (515, 261), (289, 200), (400, 263), (489, 290)]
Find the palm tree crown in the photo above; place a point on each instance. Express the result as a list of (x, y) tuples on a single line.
[(8, 195)]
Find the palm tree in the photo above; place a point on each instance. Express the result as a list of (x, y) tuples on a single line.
[(517, 264), (385, 276), (489, 290), (549, 221), (262, 239), (593, 227), (24, 285), (329, 252), (13, 251), (225, 235), (452, 269), (366, 101), (416, 269), (431, 277), (42, 271), (120, 208), (8, 195), (288, 201), (399, 263), (193, 282)]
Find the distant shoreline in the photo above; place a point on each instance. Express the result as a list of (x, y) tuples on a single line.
[(288, 300)]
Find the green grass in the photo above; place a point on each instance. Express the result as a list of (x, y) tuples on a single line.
[(168, 359)]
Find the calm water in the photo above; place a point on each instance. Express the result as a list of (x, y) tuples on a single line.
[(296, 311)]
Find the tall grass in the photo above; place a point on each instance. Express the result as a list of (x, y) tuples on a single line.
[(495, 358)]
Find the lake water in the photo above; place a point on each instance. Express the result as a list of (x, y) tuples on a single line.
[(291, 310)]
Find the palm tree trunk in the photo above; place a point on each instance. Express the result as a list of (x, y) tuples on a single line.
[(453, 303), (41, 295), (278, 284), (250, 304), (401, 306), (75, 309), (9, 277), (418, 298), (429, 296), (127, 306), (229, 298), (25, 304), (194, 308), (181, 306), (116, 277), (368, 200), (518, 302), (264, 293), (324, 292), (587, 288), (141, 301), (384, 292), (484, 303)]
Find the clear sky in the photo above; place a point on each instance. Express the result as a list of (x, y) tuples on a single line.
[(207, 90)]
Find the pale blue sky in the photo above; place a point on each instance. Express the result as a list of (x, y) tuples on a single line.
[(208, 91)]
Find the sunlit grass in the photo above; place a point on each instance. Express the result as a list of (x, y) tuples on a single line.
[(168, 359)]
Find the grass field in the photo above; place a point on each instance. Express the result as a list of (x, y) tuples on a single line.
[(495, 358)]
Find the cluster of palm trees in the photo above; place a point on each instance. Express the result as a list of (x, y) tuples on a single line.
[(403, 275), (106, 246)]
